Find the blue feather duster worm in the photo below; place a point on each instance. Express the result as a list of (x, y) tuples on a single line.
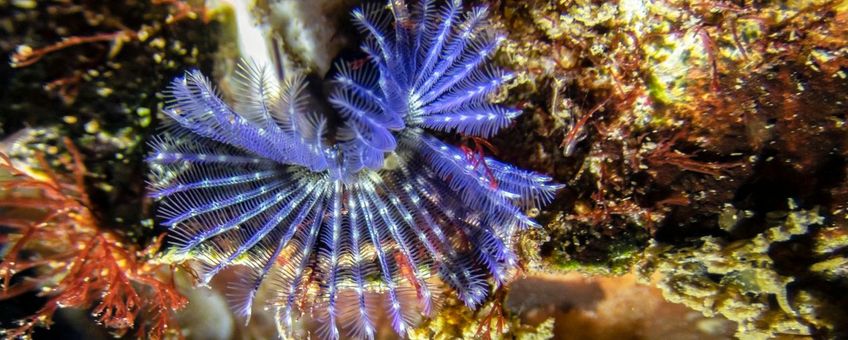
[(370, 214)]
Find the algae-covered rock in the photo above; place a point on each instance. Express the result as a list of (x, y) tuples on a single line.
[(94, 72), (744, 280), (491, 321)]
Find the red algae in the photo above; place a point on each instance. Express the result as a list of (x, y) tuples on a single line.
[(57, 246)]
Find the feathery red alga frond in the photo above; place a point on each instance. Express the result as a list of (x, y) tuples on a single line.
[(55, 244)]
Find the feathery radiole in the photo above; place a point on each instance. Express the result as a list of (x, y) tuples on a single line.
[(380, 206)]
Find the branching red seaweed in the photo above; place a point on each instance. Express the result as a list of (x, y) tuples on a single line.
[(496, 314), (665, 154), (76, 263)]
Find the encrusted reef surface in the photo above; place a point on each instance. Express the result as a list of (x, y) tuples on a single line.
[(751, 281), (703, 145), (689, 127)]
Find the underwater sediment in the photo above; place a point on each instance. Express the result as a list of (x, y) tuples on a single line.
[(701, 143)]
